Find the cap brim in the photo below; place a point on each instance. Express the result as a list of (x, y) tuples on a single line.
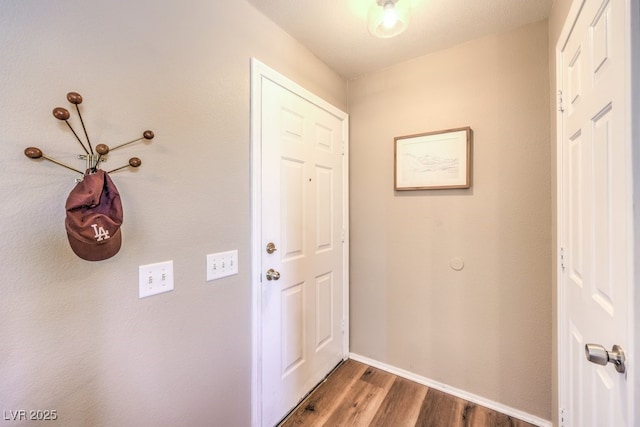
[(96, 252)]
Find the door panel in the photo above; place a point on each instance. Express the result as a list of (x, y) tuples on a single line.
[(324, 310), (293, 329), (324, 206), (292, 218)]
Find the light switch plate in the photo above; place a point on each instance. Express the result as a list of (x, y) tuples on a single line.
[(222, 264), (155, 278)]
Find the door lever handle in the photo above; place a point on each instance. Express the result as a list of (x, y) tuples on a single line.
[(597, 354), (271, 248)]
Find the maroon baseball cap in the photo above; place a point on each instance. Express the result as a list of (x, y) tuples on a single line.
[(94, 216)]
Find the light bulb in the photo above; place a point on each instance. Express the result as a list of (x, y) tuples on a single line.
[(389, 16)]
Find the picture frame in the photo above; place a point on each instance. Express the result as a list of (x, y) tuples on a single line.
[(433, 160)]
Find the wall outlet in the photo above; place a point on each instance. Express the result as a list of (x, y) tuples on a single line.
[(222, 264), (155, 278)]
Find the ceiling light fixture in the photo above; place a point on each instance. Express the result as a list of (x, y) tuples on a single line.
[(388, 18)]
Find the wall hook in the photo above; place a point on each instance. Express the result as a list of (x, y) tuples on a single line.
[(36, 153), (92, 158), (134, 162)]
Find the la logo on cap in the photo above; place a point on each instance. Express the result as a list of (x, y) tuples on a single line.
[(101, 233)]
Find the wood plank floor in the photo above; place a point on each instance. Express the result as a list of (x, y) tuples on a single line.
[(357, 395)]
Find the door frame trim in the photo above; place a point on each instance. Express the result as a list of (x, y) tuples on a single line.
[(576, 7), (261, 71), (632, 80), (633, 40)]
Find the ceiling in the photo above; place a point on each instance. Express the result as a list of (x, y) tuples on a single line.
[(336, 30)]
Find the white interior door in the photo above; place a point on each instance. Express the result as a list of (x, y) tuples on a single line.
[(302, 278), (595, 220)]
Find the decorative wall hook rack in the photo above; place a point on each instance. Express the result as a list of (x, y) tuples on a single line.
[(94, 208), (92, 157)]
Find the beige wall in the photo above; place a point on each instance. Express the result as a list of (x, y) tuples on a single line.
[(74, 337), (487, 328)]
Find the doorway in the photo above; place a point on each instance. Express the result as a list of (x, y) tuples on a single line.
[(299, 241)]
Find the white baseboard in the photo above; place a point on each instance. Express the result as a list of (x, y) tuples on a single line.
[(515, 413)]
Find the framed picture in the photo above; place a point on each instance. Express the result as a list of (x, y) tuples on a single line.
[(433, 160)]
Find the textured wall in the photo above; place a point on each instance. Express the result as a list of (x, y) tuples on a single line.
[(485, 329), (74, 337)]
